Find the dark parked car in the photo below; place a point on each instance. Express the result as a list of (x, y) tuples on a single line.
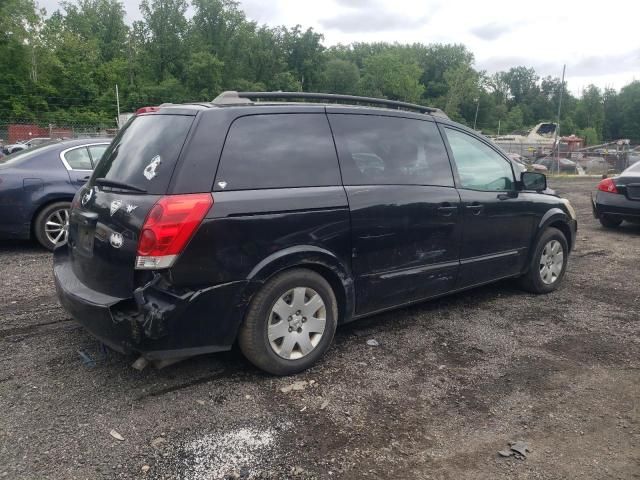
[(271, 223), (618, 198), (38, 184), (566, 165)]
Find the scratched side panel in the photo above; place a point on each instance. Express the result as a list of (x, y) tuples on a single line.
[(405, 248)]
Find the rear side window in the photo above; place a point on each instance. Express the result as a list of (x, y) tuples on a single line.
[(390, 151), (78, 159), (278, 151), (96, 152), (145, 152)]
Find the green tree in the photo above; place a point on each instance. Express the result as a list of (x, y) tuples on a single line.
[(340, 76), (165, 28), (303, 53), (629, 101), (522, 82), (438, 59), (611, 125), (221, 28), (204, 76), (514, 120), (590, 136), (386, 75), (99, 20), (462, 87), (590, 110)]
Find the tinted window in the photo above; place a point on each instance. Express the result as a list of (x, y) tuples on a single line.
[(145, 152), (78, 159), (96, 152), (390, 150), (278, 151), (479, 166)]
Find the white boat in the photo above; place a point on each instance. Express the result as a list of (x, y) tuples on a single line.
[(537, 143)]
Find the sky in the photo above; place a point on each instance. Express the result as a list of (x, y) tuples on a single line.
[(598, 41)]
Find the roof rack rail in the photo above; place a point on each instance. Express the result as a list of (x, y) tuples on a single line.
[(231, 97)]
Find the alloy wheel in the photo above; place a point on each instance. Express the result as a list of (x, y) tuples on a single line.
[(297, 322), (551, 262), (57, 225)]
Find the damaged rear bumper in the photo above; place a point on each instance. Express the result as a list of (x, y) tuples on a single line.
[(155, 322)]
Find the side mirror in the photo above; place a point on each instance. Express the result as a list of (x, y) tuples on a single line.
[(533, 181)]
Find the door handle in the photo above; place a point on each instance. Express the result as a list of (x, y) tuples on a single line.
[(475, 208), (507, 196), (446, 209), (83, 180)]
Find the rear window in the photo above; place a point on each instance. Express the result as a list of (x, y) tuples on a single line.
[(23, 155), (633, 169), (278, 151), (145, 152)]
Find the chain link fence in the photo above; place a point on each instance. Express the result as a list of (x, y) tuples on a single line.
[(32, 132)]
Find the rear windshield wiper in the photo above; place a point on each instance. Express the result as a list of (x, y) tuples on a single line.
[(104, 182)]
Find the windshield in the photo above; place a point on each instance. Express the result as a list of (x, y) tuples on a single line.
[(23, 155), (145, 152)]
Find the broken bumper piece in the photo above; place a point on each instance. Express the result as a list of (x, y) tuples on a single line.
[(154, 322)]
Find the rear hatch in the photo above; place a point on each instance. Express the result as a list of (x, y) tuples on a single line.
[(109, 212)]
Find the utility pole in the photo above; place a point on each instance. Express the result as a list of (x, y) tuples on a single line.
[(118, 104), (557, 142), (498, 127), (476, 117)]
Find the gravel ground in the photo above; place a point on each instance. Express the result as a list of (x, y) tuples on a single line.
[(450, 384)]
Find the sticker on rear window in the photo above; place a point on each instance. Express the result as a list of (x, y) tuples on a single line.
[(115, 206), (150, 170), (116, 240)]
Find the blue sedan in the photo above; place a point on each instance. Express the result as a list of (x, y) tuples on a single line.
[(38, 184)]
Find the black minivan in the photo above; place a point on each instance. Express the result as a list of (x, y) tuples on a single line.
[(272, 222)]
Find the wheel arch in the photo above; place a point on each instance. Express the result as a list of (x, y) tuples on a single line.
[(563, 226), (556, 218), (317, 259)]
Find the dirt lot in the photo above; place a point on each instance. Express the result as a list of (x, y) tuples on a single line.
[(450, 384)]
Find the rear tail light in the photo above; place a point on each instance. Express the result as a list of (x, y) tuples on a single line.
[(168, 228), (607, 185)]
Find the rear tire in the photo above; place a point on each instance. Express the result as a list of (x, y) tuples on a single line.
[(281, 331), (548, 263), (609, 222), (52, 223)]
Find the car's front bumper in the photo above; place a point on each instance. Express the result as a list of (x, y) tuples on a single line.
[(615, 205), (153, 322)]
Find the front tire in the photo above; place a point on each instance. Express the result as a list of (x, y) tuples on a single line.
[(51, 225), (609, 222), (548, 263), (290, 323)]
